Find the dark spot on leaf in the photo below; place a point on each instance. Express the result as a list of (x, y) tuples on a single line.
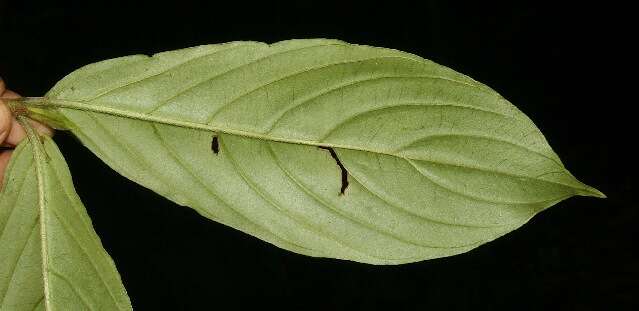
[(215, 145), (341, 167)]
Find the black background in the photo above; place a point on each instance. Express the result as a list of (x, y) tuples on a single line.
[(560, 65)]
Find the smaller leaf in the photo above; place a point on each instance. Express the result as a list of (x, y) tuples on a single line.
[(51, 258)]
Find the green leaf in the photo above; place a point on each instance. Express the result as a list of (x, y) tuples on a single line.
[(436, 162), (51, 259)]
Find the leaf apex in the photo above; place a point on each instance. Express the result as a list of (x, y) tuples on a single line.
[(592, 192)]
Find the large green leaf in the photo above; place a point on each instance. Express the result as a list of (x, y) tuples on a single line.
[(50, 257), (436, 162)]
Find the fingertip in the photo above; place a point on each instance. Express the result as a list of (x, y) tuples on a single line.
[(5, 121), (10, 94)]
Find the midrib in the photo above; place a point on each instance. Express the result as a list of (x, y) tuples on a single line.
[(39, 159), (79, 105)]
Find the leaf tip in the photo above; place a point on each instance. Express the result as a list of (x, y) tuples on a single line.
[(592, 192)]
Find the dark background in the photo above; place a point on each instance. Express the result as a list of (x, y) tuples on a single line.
[(561, 65)]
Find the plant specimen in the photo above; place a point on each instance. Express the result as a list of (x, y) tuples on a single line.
[(320, 147)]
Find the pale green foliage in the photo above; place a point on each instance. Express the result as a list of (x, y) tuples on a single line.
[(50, 257), (437, 163)]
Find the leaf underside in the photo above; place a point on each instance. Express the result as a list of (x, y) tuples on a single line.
[(318, 146), (50, 256)]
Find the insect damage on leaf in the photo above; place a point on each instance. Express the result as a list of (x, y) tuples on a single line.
[(215, 145), (341, 167)]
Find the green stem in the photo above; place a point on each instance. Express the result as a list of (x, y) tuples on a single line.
[(37, 101)]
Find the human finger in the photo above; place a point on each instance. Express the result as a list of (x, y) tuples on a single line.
[(5, 121)]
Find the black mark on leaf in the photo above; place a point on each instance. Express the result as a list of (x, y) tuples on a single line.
[(341, 167), (215, 145)]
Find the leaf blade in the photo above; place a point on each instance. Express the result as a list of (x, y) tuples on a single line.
[(438, 163), (63, 264)]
